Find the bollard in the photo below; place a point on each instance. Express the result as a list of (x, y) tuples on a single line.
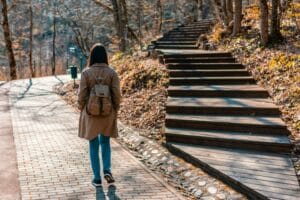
[(74, 73)]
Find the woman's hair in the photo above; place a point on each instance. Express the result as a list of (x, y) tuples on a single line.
[(97, 55)]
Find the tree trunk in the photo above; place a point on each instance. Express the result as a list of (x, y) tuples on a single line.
[(140, 16), (198, 8), (175, 12), (207, 8), (217, 8), (237, 17), (264, 25), (119, 9), (54, 46), (40, 58), (8, 42), (32, 70), (229, 7), (275, 23), (224, 12), (159, 15)]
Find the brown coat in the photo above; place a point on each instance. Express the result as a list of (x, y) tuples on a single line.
[(92, 126)]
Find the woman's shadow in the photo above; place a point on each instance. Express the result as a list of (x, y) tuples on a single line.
[(111, 193)]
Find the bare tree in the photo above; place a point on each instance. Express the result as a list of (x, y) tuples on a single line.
[(237, 17), (8, 41), (229, 10), (224, 12), (140, 17), (218, 10), (264, 24), (198, 9), (275, 22), (159, 15), (119, 11), (175, 10), (54, 45), (32, 70)]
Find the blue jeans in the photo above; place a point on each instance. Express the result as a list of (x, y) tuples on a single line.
[(104, 142)]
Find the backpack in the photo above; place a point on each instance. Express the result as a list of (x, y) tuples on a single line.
[(99, 103)]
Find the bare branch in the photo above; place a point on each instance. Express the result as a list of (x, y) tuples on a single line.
[(107, 8), (14, 4)]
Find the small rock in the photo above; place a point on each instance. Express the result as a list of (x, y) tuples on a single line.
[(207, 198), (154, 151), (180, 169), (145, 153), (212, 190), (187, 174), (221, 196), (191, 188), (236, 197), (170, 169), (170, 162), (193, 178), (185, 184), (198, 193), (163, 159), (202, 183)]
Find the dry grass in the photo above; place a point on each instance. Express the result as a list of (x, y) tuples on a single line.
[(252, 12), (217, 33), (3, 74)]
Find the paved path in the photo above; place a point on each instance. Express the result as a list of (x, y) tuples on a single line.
[(53, 162), (9, 189)]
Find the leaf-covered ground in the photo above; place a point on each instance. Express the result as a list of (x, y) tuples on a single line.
[(276, 68), (143, 83)]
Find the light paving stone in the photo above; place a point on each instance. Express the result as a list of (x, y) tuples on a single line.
[(53, 162)]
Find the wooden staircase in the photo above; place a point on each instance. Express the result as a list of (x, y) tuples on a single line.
[(220, 120)]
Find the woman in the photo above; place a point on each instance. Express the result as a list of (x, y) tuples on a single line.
[(99, 129)]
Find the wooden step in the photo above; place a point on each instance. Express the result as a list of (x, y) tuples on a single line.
[(219, 120), (201, 60), (197, 55), (197, 31), (205, 27), (259, 125), (215, 66), (181, 37), (238, 91), (257, 174), (174, 33), (175, 42), (161, 46), (208, 72), (222, 106), (186, 28), (176, 39), (212, 80), (271, 143)]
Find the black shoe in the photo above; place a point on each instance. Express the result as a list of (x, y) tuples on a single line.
[(109, 178), (97, 183)]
